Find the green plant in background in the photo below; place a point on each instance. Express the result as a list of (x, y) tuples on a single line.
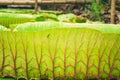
[(94, 11), (81, 20), (79, 53), (69, 10), (11, 18), (46, 17)]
